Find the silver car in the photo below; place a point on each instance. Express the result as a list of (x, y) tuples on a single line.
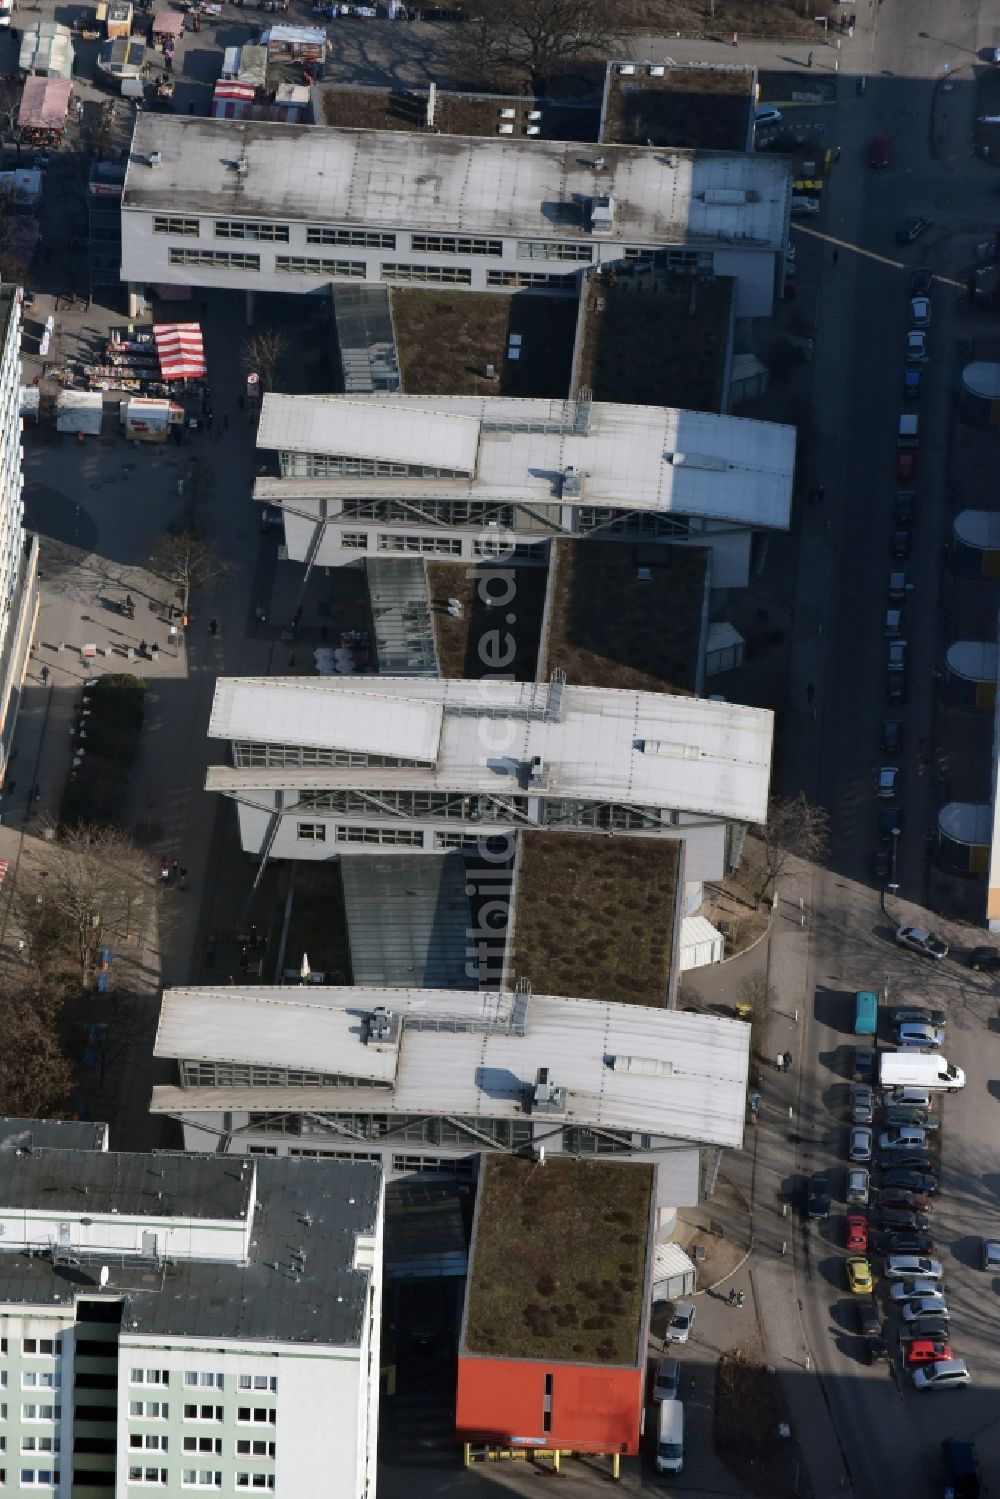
[(680, 1325), (917, 1033), (916, 1290), (910, 1266), (858, 1186)]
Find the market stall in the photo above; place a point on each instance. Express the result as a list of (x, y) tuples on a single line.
[(168, 26), (46, 50), (116, 17), (79, 411), (150, 420), (41, 118), (306, 44), (180, 350), (232, 100), (291, 103)]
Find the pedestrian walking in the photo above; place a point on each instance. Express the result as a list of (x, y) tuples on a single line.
[(183, 877), (810, 692), (164, 870), (735, 38), (779, 1061), (836, 153), (809, 61), (45, 674), (142, 647), (732, 1295)]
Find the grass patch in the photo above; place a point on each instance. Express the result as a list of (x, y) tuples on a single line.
[(750, 1407), (646, 635), (477, 644), (657, 340), (696, 108), (594, 916), (446, 340), (95, 792), (558, 1260)]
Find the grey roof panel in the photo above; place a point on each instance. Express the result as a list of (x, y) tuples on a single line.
[(408, 920), (59, 1134)]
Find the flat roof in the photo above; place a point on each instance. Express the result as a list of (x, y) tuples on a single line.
[(61, 1134), (975, 660), (653, 749), (458, 184), (967, 822), (559, 1261), (457, 1054), (519, 451), (978, 528), (647, 635), (596, 915), (328, 1204), (697, 106)]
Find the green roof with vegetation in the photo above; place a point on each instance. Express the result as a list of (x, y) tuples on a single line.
[(477, 642), (558, 1263), (656, 339), (594, 916), (447, 339), (646, 636)]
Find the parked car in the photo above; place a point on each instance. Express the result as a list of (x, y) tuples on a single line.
[(908, 1137), (913, 380), (900, 1266), (856, 1232), (920, 1098), (878, 1350), (925, 1351), (929, 1326), (900, 1014), (904, 507), (906, 467), (860, 1144), (802, 207), (887, 781), (900, 545), (881, 864), (272, 518), (679, 1329), (919, 940), (920, 1035), (895, 689), (907, 1202), (878, 151), (858, 1186), (859, 1275), (899, 585), (927, 1306), (985, 959), (908, 1160), (862, 1103), (666, 1382), (911, 1243), (818, 1197), (916, 346), (948, 1374), (903, 1220), (767, 115), (892, 735), (915, 1290), (899, 1115), (890, 822), (911, 229), (864, 1064), (913, 1181), (869, 1321), (920, 311), (991, 1254), (920, 281)]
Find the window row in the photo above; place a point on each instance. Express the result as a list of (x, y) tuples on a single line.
[(432, 546), (307, 265), (247, 755), (458, 275), (154, 1442), (525, 279), (233, 1075), (455, 244), (215, 260), (463, 808), (340, 466)]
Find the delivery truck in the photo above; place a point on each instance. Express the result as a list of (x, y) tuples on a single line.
[(903, 1069)]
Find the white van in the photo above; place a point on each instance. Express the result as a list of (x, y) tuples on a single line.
[(670, 1437), (911, 1069)]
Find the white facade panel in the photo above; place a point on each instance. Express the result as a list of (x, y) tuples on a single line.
[(754, 275)]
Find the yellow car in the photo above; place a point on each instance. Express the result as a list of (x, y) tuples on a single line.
[(859, 1275)]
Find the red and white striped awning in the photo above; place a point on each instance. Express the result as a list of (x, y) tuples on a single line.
[(180, 350)]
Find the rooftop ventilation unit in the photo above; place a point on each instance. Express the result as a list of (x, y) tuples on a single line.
[(545, 1097), (602, 214), (644, 574), (711, 462), (572, 483), (533, 130), (668, 749), (626, 69), (534, 115), (726, 197), (155, 158), (383, 1029), (508, 114), (505, 130), (657, 70), (242, 167), (646, 1066)]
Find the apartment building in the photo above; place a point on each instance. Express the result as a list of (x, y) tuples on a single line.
[(18, 549), (425, 1080), (322, 767), (258, 206), (480, 477), (178, 1323)]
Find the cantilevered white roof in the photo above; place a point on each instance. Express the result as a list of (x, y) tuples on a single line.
[(601, 744), (457, 184), (441, 439), (680, 1076), (656, 458), (373, 725)]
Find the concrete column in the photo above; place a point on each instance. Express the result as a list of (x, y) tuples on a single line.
[(134, 300)]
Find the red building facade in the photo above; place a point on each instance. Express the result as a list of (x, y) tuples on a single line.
[(575, 1407)]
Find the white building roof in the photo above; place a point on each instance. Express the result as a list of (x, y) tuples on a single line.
[(459, 184), (682, 1076), (685, 753), (635, 457)]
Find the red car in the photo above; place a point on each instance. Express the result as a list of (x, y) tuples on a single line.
[(895, 1197), (878, 151), (924, 1351), (906, 465), (857, 1231)]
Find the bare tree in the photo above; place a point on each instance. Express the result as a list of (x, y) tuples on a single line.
[(263, 353), (35, 1074), (795, 829), (86, 889), (186, 559), (542, 37)]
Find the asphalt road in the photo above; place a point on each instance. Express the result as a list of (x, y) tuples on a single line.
[(890, 1436)]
